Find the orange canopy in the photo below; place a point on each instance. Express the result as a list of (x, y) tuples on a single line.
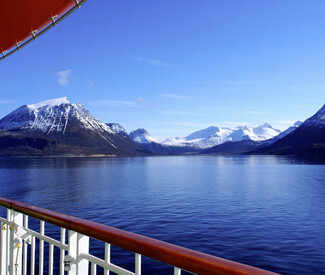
[(20, 20)]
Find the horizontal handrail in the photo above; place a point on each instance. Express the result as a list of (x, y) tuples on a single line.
[(187, 259)]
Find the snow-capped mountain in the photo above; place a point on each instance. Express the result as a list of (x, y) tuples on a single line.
[(308, 138), (288, 131), (146, 141), (213, 136), (69, 125), (199, 140), (263, 132), (51, 117), (212, 130), (252, 140), (142, 136), (317, 120), (117, 128)]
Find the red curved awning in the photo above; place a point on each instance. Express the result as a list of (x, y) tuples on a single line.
[(21, 19)]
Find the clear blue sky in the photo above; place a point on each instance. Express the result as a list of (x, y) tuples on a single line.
[(177, 66)]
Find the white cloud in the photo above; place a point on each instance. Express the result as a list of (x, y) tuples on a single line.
[(287, 122), (4, 101), (153, 62), (255, 112), (189, 124), (240, 82), (116, 103), (64, 77), (174, 96), (90, 82), (141, 102), (144, 102), (231, 123), (171, 112)]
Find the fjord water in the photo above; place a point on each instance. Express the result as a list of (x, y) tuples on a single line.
[(264, 211)]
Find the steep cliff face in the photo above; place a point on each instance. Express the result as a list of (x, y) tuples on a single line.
[(307, 139)]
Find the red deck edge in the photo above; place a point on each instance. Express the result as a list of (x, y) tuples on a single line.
[(174, 255)]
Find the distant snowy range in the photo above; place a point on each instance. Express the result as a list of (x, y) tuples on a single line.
[(58, 127)]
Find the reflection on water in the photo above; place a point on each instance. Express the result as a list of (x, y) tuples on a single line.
[(265, 211)]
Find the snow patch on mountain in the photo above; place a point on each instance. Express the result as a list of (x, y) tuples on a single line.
[(50, 103), (51, 117), (263, 132), (286, 132), (213, 136), (205, 138), (175, 141), (117, 128), (212, 130), (297, 123), (142, 136), (317, 120)]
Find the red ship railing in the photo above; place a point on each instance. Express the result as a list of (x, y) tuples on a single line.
[(179, 257)]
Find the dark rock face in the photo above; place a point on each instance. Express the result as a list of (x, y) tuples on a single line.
[(160, 149), (307, 140), (18, 145), (304, 140), (234, 148), (60, 129), (117, 128)]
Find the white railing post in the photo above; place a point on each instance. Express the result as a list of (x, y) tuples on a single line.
[(83, 247), (62, 251), (51, 247), (7, 241), (137, 264), (107, 257), (16, 244), (177, 271), (93, 269), (32, 255), (25, 247), (41, 249), (72, 251), (78, 244), (3, 247)]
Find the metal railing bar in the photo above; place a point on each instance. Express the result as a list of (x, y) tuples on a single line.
[(38, 235), (7, 236), (93, 269), (41, 248), (48, 239), (25, 258), (186, 259), (10, 238), (62, 250), (177, 271), (137, 264), (32, 256), (5, 221), (25, 247), (51, 259), (2, 244), (107, 257), (102, 263)]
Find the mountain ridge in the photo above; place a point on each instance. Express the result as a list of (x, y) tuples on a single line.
[(306, 140), (59, 127), (70, 127), (213, 136)]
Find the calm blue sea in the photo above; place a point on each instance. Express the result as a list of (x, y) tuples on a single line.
[(265, 211)]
